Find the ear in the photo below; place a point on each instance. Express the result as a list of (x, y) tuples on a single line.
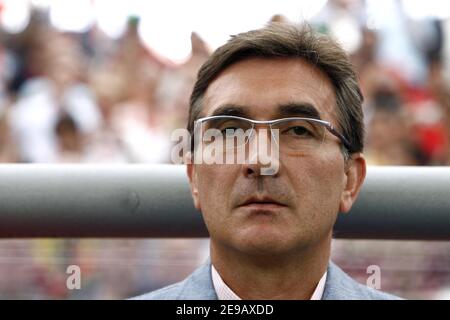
[(355, 173), (192, 175)]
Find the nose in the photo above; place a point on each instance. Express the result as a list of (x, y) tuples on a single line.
[(262, 155)]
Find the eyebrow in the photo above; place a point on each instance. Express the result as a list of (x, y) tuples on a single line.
[(303, 109), (231, 110), (299, 109)]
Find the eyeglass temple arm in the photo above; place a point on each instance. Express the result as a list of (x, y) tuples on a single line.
[(344, 140)]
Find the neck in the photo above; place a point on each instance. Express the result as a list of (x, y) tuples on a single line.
[(287, 276)]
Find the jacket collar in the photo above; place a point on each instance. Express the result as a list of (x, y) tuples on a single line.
[(199, 286)]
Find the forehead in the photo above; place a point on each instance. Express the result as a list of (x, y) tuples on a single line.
[(261, 85)]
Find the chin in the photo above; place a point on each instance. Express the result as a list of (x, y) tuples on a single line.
[(264, 243)]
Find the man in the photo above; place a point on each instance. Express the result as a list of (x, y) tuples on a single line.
[(271, 233)]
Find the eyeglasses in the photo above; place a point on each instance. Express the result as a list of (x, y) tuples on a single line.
[(295, 134)]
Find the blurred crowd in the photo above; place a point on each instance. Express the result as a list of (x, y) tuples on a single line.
[(84, 97), (87, 98)]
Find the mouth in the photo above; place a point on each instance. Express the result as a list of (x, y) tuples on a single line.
[(262, 204)]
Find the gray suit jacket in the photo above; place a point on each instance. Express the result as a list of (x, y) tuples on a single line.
[(199, 286)]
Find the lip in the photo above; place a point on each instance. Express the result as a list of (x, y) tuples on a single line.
[(263, 208), (262, 203)]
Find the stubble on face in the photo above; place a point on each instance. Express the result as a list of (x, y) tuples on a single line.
[(306, 185)]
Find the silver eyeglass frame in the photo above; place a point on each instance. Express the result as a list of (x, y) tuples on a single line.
[(325, 123)]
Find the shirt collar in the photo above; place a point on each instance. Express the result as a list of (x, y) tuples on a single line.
[(225, 293)]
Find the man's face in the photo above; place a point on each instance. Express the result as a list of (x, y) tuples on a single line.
[(297, 206)]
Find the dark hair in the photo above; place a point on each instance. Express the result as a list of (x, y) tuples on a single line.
[(285, 40), (65, 123)]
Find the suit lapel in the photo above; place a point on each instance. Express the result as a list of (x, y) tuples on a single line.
[(199, 285), (339, 286)]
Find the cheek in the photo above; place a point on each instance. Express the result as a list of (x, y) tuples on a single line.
[(215, 183), (318, 181), (332, 184), (215, 186)]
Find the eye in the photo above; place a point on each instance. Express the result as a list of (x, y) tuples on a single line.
[(229, 130), (299, 131)]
